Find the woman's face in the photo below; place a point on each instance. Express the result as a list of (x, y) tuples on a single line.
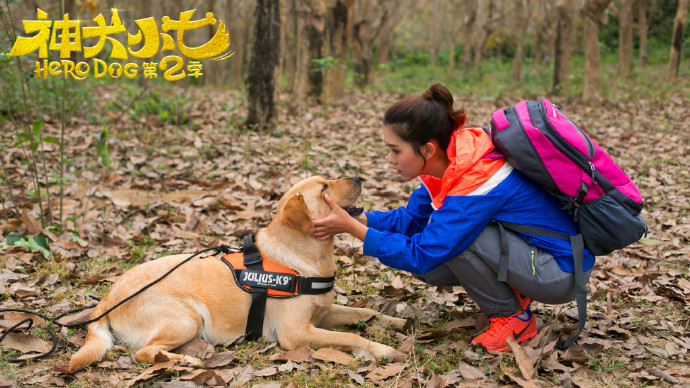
[(402, 156)]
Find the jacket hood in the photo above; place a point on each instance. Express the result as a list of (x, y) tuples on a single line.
[(469, 167)]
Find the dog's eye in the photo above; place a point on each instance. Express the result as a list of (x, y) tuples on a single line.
[(324, 188)]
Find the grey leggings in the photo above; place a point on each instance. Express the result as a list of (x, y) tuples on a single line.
[(531, 271)]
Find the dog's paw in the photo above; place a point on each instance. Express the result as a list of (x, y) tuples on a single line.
[(395, 356), (379, 351), (195, 362), (388, 322)]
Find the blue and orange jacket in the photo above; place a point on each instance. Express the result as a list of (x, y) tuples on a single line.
[(444, 216)]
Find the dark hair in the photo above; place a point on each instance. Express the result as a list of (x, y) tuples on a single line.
[(419, 119)]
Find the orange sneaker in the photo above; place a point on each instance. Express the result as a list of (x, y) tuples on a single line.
[(496, 336)]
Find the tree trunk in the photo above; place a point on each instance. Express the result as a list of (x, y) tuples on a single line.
[(435, 30), (264, 61), (312, 47), (642, 28), (291, 48), (485, 27), (469, 8), (677, 39), (520, 12), (565, 37), (625, 37), (454, 20), (340, 26), (451, 52), (550, 27), (368, 19), (591, 13), (232, 18), (400, 10), (213, 70)]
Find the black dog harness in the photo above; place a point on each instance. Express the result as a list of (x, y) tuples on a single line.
[(264, 278)]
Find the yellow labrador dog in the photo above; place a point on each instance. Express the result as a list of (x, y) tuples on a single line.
[(200, 298)]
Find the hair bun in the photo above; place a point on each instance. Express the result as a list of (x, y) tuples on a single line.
[(441, 95)]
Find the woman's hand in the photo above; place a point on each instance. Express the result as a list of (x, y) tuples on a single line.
[(338, 221)]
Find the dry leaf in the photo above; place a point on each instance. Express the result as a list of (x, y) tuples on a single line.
[(356, 377), (32, 227), (219, 359), (26, 343), (385, 372), (522, 358), (198, 376), (470, 372), (197, 347), (521, 382), (270, 371), (406, 345), (297, 355), (328, 354)]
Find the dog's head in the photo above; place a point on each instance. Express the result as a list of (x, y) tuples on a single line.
[(305, 201)]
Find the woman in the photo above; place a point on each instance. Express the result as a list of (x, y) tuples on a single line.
[(446, 235)]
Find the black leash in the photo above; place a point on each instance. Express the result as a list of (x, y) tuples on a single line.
[(53, 321)]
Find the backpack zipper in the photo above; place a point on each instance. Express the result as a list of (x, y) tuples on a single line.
[(534, 152), (565, 144)]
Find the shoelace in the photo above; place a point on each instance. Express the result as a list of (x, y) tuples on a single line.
[(499, 323)]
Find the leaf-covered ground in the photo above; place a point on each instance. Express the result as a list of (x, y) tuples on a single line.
[(192, 178)]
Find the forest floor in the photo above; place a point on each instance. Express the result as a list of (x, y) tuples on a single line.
[(191, 179)]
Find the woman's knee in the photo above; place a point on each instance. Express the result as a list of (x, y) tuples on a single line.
[(440, 276)]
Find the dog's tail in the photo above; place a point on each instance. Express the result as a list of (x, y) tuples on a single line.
[(98, 341)]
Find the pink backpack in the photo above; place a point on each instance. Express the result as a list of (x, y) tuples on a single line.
[(546, 146)]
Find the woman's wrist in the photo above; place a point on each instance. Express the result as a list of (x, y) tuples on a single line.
[(357, 228)]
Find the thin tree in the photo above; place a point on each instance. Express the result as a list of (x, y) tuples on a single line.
[(264, 62), (625, 37), (340, 28), (454, 23), (642, 28), (384, 39), (677, 39), (591, 13), (369, 17), (485, 26), (237, 13), (565, 37), (435, 30), (469, 16), (312, 47), (520, 11)]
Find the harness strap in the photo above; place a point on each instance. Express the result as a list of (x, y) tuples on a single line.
[(315, 285), (255, 319), (254, 263), (578, 246)]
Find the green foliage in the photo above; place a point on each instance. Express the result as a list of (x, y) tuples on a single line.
[(102, 146), (171, 110), (37, 243), (322, 64)]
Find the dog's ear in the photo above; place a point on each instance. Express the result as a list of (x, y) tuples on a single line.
[(296, 215)]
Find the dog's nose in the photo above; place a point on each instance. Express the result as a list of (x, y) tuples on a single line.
[(357, 179)]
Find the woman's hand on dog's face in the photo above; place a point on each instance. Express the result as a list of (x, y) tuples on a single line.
[(338, 221)]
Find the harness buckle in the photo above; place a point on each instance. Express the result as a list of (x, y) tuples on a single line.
[(251, 253), (252, 259)]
